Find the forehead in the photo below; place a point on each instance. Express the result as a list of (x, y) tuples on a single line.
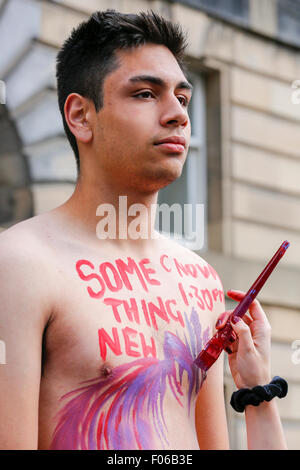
[(149, 59)]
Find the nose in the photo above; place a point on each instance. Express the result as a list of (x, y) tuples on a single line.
[(174, 113)]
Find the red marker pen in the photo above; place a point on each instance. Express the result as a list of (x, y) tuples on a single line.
[(220, 340)]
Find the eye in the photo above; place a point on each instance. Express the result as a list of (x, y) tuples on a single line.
[(149, 94), (144, 94), (184, 102)]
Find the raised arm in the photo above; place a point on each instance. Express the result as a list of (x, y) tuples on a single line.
[(22, 321)]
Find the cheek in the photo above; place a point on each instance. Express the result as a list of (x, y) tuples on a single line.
[(123, 132), (117, 128), (129, 135)]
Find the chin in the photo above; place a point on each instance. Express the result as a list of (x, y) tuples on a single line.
[(170, 172), (160, 178)]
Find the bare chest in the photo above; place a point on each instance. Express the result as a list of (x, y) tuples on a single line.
[(123, 341), (126, 308)]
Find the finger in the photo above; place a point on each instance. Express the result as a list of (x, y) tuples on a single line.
[(232, 347), (256, 311), (248, 320), (233, 337), (222, 319), (233, 343), (242, 330)]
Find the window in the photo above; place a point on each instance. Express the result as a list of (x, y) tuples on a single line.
[(232, 10), (288, 17)]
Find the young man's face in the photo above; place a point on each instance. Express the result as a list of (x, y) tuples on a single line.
[(137, 113)]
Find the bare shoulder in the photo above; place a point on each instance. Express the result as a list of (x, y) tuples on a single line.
[(23, 241), (25, 280)]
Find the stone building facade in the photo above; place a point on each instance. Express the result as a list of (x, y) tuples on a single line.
[(245, 150)]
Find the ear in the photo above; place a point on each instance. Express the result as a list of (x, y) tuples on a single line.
[(78, 114)]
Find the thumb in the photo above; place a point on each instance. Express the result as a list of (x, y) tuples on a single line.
[(243, 333)]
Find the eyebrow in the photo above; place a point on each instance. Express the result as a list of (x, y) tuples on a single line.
[(159, 81)]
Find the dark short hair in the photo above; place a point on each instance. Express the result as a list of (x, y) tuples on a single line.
[(88, 55)]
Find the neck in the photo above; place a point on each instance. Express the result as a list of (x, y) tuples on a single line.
[(101, 210)]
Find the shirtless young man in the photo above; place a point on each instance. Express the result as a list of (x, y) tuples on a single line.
[(101, 334)]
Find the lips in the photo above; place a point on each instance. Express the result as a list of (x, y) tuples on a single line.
[(172, 140), (174, 144)]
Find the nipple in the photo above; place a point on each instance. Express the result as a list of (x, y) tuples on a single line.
[(106, 370)]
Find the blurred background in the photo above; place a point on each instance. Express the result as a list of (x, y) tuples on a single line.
[(244, 158)]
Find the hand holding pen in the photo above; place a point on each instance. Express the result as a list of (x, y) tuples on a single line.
[(223, 337), (249, 349)]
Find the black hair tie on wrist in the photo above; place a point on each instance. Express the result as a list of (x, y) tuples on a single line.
[(278, 387)]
